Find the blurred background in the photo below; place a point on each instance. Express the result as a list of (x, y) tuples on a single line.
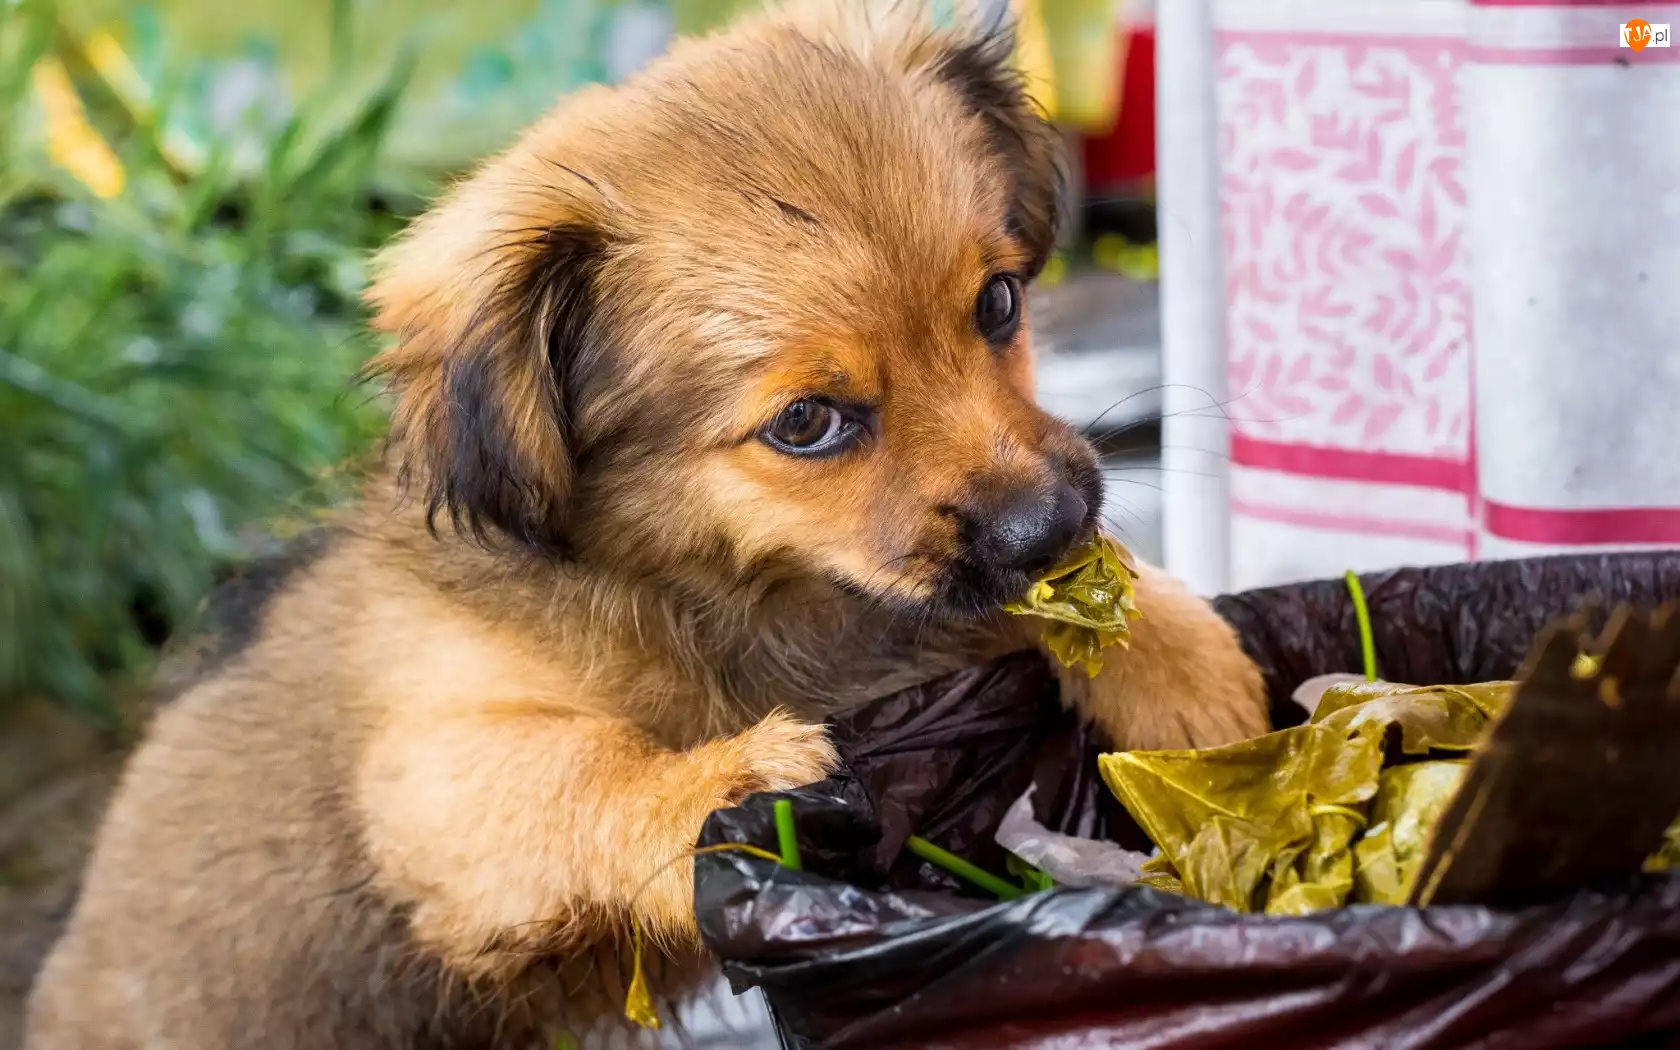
[(1409, 314)]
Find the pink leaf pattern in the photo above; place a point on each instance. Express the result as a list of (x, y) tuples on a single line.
[(1380, 420), (1404, 166), (1383, 370), (1379, 205), (1344, 226)]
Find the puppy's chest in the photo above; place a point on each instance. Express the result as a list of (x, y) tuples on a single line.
[(836, 673)]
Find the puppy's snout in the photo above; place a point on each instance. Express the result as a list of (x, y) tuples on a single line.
[(1034, 530)]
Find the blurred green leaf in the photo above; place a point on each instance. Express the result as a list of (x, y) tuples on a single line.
[(176, 364)]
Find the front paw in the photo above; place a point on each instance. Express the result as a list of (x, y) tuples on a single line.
[(778, 754), (1223, 697), (1185, 682)]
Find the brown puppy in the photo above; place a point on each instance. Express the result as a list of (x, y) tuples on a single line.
[(715, 401)]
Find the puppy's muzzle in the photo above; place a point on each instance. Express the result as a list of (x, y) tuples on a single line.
[(1032, 532), (1012, 531)]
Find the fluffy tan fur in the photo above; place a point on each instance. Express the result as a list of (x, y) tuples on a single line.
[(452, 743)]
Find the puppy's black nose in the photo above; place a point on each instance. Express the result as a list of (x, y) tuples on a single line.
[(1033, 533)]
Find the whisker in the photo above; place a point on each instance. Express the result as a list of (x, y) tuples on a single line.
[(1135, 481), (1197, 412), (1133, 395), (1119, 532), (1137, 519)]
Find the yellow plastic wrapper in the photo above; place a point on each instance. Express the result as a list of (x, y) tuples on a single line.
[(1088, 43), (638, 1002), (1269, 824), (1409, 801), (1336, 811), (1667, 856), (1089, 600)]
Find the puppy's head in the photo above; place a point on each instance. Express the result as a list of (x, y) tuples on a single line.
[(757, 315)]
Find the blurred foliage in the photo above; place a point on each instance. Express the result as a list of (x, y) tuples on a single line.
[(490, 67), (176, 352), (484, 69), (700, 16)]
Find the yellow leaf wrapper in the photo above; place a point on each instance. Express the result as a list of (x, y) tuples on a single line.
[(1409, 801), (638, 1002), (1089, 600), (1336, 811), (1270, 824), (1667, 856)]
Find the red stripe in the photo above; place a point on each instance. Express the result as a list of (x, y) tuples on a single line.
[(1655, 525), (1358, 525), (1381, 468)]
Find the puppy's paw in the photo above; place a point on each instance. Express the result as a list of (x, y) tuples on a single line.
[(777, 754), (1185, 681), (780, 753), (1224, 699)]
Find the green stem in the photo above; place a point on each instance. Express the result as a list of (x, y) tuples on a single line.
[(954, 864), (1362, 614), (785, 838)]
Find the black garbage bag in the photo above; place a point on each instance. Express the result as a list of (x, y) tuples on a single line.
[(871, 947)]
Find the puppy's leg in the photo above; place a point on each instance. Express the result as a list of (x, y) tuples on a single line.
[(1185, 681), (514, 826)]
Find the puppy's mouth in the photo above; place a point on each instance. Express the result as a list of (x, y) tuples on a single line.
[(970, 587), (998, 557)]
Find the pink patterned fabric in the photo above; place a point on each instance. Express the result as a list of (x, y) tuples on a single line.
[(1344, 216), (1344, 222), (1345, 204)]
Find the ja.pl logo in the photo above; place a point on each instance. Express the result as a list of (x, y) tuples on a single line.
[(1640, 34)]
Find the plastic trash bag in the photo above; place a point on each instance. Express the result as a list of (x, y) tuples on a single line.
[(870, 947), (1065, 859)]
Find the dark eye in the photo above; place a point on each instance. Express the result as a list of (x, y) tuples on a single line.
[(997, 313), (806, 427)]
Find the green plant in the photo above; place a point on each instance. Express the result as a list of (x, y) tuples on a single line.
[(175, 360)]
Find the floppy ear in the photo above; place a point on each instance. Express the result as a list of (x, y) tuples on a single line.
[(489, 297), (979, 65)]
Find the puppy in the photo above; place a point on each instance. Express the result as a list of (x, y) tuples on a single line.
[(713, 414)]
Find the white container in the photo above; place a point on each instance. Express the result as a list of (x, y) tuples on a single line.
[(1574, 180)]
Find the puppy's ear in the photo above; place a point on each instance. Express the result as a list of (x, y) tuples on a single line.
[(979, 65), (490, 299)]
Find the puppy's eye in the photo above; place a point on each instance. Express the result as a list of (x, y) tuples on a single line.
[(997, 313), (809, 427)]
